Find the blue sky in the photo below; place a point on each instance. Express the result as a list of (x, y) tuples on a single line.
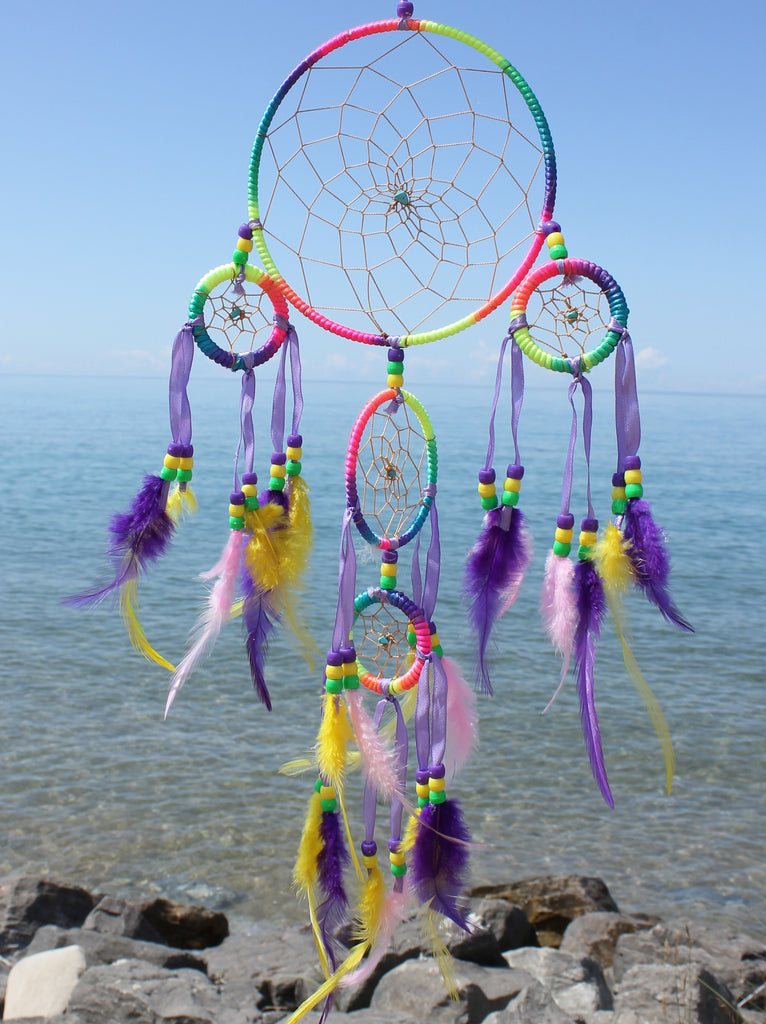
[(127, 130)]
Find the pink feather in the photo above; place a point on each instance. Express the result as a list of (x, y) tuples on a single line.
[(558, 608), (218, 610), (393, 913), (378, 759), (462, 719)]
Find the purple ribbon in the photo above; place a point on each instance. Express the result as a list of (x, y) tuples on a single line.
[(280, 386), (438, 710), (180, 369), (626, 413), (246, 430), (517, 397), (344, 615), (425, 595), (423, 720), (401, 751), (587, 428)]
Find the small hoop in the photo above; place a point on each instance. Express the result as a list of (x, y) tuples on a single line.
[(420, 627)]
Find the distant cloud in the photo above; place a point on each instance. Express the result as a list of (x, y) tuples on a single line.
[(651, 359)]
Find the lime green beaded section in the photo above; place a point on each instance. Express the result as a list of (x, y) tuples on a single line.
[(216, 276)]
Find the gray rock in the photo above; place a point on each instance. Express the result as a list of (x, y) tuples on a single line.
[(739, 961), (417, 988), (185, 927), (575, 983), (507, 922), (100, 948), (688, 993), (40, 985), (596, 934), (113, 916), (27, 902), (533, 1005), (550, 903)]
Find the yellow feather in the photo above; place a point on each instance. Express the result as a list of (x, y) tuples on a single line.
[(371, 903), (180, 503), (441, 955), (260, 554), (410, 833), (334, 736), (297, 766), (352, 961), (616, 573), (305, 869), (301, 528), (129, 609)]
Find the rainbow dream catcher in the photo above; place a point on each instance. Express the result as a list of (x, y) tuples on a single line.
[(400, 189)]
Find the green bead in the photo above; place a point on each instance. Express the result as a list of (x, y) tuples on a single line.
[(276, 483), (292, 468), (239, 257), (333, 685), (510, 498), (168, 474), (398, 870), (634, 490), (561, 548), (558, 252), (411, 638), (395, 368), (251, 503), (236, 523), (584, 552), (437, 797), (422, 801), (184, 476), (330, 805), (388, 582), (351, 682), (438, 651), (618, 507), (318, 786), (489, 503)]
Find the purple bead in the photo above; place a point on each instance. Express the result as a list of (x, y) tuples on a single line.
[(422, 776), (390, 556), (632, 462), (393, 845), (486, 476), (175, 449), (369, 848), (249, 478), (237, 498), (404, 9), (618, 480), (294, 441), (245, 231), (348, 653), (589, 525), (515, 471), (550, 226), (334, 658), (436, 771), (278, 458), (188, 451), (432, 628), (396, 355), (565, 521)]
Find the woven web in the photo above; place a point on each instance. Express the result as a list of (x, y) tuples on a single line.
[(383, 648), (234, 321), (391, 470), (568, 317), (396, 196)]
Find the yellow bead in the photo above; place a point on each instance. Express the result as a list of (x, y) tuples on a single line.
[(277, 471), (397, 858), (588, 539), (388, 569), (511, 484), (632, 476), (237, 511), (618, 494), (435, 642), (327, 793), (564, 536), (186, 463), (422, 790), (436, 785), (171, 461), (349, 668), (294, 454), (487, 490), (554, 238), (249, 490), (395, 380), (334, 672), (245, 245), (369, 861)]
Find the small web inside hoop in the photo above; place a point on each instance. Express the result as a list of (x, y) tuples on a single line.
[(568, 317), (391, 468), (397, 194), (234, 321), (383, 649)]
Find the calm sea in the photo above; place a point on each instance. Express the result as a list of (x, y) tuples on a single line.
[(97, 789)]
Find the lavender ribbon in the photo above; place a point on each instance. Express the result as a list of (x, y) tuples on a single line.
[(423, 721), (180, 369), (438, 710), (246, 430), (401, 751), (583, 383), (517, 397), (344, 614), (280, 386), (627, 417)]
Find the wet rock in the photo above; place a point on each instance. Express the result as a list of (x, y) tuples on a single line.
[(551, 903), (185, 927), (27, 902), (114, 916)]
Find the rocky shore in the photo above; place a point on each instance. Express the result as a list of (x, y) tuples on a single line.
[(542, 951)]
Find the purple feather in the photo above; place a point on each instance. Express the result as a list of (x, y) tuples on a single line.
[(138, 537), (258, 626), (331, 861), (439, 864), (493, 573), (275, 498), (648, 554), (591, 608)]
